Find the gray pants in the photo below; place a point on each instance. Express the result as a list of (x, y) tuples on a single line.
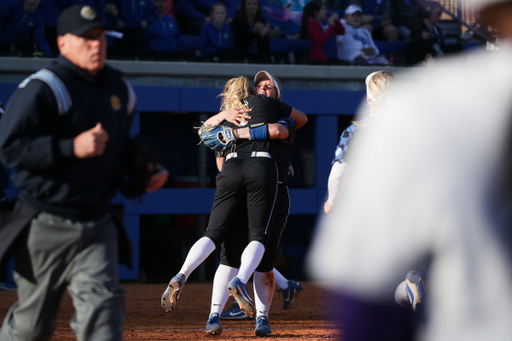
[(79, 255)]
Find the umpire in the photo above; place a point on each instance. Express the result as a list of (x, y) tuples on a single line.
[(65, 132)]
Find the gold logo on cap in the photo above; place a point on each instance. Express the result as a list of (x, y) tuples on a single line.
[(115, 102), (87, 13)]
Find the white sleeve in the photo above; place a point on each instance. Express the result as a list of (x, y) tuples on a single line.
[(335, 181)]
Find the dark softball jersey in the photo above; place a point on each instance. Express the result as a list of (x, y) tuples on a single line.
[(248, 183), (264, 110)]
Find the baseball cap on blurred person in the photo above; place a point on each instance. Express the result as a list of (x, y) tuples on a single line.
[(77, 20), (262, 75), (353, 9)]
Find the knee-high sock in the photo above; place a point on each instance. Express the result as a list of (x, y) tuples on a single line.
[(220, 295), (197, 254), (251, 258), (401, 296), (264, 285), (281, 281)]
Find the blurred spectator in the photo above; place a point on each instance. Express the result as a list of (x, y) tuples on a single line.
[(321, 32), (406, 16), (216, 36), (192, 14), (163, 39), (131, 18), (377, 19), (51, 10), (22, 25), (430, 39), (287, 17), (356, 45), (249, 27)]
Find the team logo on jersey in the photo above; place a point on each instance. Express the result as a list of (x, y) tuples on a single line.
[(115, 102), (87, 13), (228, 135)]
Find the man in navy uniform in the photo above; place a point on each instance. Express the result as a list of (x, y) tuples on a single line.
[(65, 131)]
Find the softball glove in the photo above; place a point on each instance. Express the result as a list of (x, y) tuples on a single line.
[(217, 137)]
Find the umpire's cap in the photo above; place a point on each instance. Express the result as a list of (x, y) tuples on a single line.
[(77, 20), (261, 75)]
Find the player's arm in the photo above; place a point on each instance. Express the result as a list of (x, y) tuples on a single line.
[(339, 169), (335, 184), (299, 117), (220, 162), (231, 115), (269, 131)]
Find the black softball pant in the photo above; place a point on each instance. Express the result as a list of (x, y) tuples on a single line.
[(237, 238), (244, 184)]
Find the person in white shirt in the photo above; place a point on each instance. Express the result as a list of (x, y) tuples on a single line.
[(356, 45), (435, 178)]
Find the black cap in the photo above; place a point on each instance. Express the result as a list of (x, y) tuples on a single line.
[(77, 20)]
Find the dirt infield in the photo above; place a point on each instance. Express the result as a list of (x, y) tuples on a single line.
[(145, 320)]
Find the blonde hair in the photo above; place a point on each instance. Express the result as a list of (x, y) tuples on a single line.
[(378, 85), (235, 91)]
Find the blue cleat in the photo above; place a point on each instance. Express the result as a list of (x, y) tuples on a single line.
[(238, 290), (262, 326), (415, 289), (172, 293), (235, 314), (213, 326), (290, 293)]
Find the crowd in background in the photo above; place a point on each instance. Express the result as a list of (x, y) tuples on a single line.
[(340, 31)]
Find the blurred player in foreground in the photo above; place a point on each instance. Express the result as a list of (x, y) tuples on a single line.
[(434, 177)]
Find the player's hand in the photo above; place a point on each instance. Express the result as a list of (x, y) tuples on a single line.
[(90, 143), (327, 207), (234, 116), (158, 179)]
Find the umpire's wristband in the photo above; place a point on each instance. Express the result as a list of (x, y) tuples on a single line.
[(259, 133)]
